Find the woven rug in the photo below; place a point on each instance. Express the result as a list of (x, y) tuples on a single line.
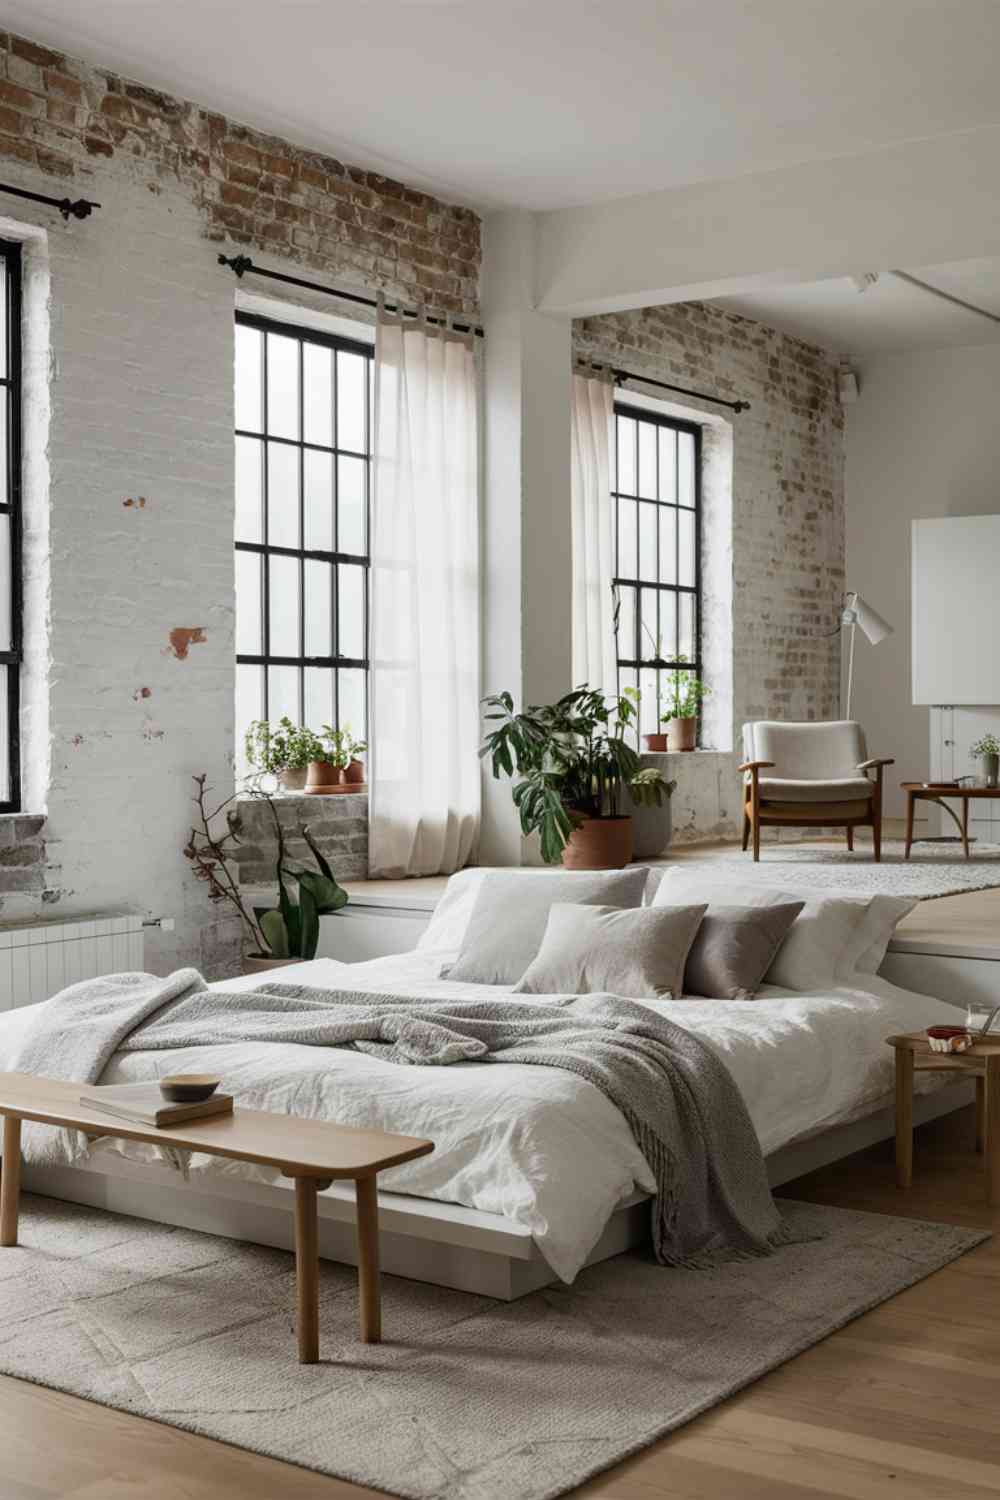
[(932, 869), (469, 1399)]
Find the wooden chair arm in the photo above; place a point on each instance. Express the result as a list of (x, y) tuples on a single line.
[(755, 765), (876, 763)]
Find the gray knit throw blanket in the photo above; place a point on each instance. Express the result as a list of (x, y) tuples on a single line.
[(712, 1199)]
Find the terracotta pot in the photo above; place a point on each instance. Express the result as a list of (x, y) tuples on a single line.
[(256, 963), (599, 844), (683, 733), (658, 742), (293, 780), (355, 773), (323, 777)]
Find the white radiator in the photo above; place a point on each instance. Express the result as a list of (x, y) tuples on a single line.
[(39, 960)]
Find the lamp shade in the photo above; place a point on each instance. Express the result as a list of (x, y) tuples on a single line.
[(872, 625)]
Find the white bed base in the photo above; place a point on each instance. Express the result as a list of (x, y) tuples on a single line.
[(441, 1243)]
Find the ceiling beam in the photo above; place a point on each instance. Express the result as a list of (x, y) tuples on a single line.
[(922, 203)]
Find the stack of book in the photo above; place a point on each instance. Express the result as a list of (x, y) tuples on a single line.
[(143, 1104)]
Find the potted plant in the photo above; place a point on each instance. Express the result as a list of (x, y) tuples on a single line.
[(987, 750), (290, 932), (336, 765), (573, 763), (291, 929), (284, 751), (684, 701)]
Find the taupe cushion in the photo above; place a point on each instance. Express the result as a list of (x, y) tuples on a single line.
[(827, 752), (734, 948), (846, 789), (508, 920), (588, 950)]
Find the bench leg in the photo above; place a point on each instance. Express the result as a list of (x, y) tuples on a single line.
[(10, 1182), (369, 1282), (307, 1269), (981, 1114), (904, 1117), (993, 1130)]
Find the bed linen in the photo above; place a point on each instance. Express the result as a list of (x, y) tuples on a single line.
[(510, 1138)]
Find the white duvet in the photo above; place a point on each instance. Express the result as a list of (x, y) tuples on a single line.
[(538, 1146)]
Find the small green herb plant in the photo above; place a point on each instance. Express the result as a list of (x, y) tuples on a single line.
[(684, 694), (339, 747), (272, 748)]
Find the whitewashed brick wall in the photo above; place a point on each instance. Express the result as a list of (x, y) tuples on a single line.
[(787, 520)]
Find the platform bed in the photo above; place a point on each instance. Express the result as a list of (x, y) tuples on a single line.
[(442, 1243)]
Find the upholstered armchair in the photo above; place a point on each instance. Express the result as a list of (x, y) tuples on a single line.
[(810, 776)]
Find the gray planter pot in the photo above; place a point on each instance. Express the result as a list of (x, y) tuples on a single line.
[(991, 769)]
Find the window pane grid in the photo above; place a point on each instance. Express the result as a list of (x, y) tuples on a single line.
[(10, 526), (656, 497), (311, 619)]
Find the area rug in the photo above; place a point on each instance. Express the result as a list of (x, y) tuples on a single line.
[(932, 869), (468, 1399)]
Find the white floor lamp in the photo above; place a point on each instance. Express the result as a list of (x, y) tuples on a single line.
[(856, 612)]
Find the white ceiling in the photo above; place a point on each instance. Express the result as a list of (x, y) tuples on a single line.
[(549, 103), (892, 315)]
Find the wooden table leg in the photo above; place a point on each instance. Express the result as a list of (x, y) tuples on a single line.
[(10, 1182), (980, 1114), (904, 1117), (965, 825), (992, 1133), (307, 1269), (369, 1280), (910, 800)]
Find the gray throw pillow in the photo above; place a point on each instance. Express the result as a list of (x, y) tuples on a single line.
[(734, 949), (591, 950), (508, 920)]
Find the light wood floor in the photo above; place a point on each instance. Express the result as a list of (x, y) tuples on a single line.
[(904, 1402)]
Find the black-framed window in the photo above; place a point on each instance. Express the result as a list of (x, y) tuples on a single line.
[(656, 494), (10, 527), (303, 487)]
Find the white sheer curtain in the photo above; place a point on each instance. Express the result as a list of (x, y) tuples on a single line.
[(424, 769), (594, 655)]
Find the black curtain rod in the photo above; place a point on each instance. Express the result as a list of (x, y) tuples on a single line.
[(80, 208), (682, 390), (241, 264)]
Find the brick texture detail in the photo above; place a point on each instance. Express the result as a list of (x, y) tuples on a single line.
[(339, 826), (73, 122), (788, 515), (22, 853)]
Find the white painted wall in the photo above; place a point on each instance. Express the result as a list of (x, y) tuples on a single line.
[(923, 440)]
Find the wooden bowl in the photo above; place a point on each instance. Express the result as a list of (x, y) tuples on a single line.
[(189, 1088)]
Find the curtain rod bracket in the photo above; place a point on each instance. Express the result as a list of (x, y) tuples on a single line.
[(238, 263), (76, 208)]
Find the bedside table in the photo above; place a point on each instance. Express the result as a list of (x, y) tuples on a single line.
[(982, 1062)]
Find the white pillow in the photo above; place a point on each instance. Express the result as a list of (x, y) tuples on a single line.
[(884, 915), (507, 923), (590, 950), (826, 940), (450, 918)]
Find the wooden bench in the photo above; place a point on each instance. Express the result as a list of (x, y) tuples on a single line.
[(313, 1152)]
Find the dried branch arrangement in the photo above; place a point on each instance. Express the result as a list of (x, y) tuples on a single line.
[(212, 853)]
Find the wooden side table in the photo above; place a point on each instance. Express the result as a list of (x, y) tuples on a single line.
[(918, 791), (982, 1062)]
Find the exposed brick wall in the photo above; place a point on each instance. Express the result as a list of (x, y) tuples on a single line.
[(338, 826), (787, 515), (129, 461), (69, 120), (22, 854)]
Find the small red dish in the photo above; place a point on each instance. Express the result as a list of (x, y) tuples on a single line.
[(945, 1033)]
